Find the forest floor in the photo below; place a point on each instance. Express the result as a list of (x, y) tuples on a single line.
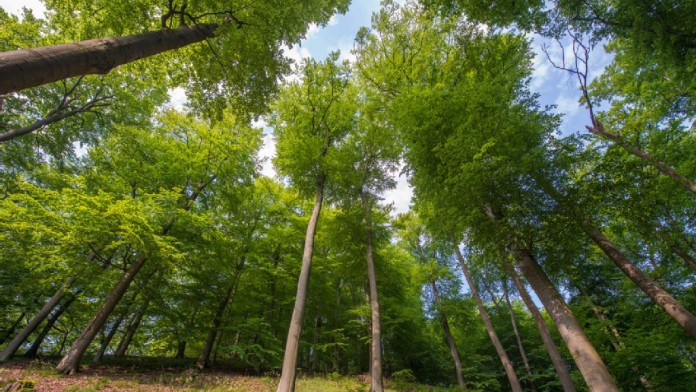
[(40, 376)]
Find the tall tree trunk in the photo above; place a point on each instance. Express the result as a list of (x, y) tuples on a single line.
[(99, 355), (611, 332), (448, 336), (504, 359), (674, 247), (376, 343), (20, 69), (556, 359), (70, 363), (589, 362), (11, 330), (34, 349), (130, 332), (204, 359), (513, 321), (180, 349), (15, 343), (289, 370), (599, 130), (661, 297)]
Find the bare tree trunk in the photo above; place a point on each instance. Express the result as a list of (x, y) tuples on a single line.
[(556, 359), (673, 308), (99, 355), (13, 327), (599, 130), (20, 69), (15, 343), (181, 349), (448, 336), (204, 359), (70, 363), (523, 353), (376, 343), (507, 364), (289, 370), (34, 349), (130, 332), (589, 362)]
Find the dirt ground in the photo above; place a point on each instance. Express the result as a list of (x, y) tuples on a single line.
[(40, 376)]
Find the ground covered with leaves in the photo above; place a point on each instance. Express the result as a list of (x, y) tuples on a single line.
[(40, 376)]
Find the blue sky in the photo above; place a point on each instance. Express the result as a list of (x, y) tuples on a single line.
[(555, 87)]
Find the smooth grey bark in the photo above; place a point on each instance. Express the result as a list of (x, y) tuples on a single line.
[(292, 344), (70, 362), (674, 309), (36, 344), (204, 359), (558, 362), (130, 332), (376, 384), (589, 362), (17, 341), (448, 337), (504, 359), (24, 68)]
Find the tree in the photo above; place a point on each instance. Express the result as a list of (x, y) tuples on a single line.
[(244, 44), (311, 117)]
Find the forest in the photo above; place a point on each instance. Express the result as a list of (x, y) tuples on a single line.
[(138, 233)]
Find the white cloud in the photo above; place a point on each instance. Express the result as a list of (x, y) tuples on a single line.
[(400, 196), (177, 98), (333, 21), (567, 104), (15, 7), (268, 150)]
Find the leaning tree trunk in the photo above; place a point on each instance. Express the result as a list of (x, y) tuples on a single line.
[(204, 360), (507, 364), (70, 363), (23, 68), (34, 349), (376, 343), (513, 321), (99, 355), (586, 357), (448, 336), (289, 370), (558, 362), (599, 130), (130, 332), (674, 309), (15, 343), (10, 331)]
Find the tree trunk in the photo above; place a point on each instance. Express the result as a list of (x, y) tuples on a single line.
[(15, 343), (10, 331), (34, 349), (376, 343), (513, 321), (204, 359), (448, 336), (558, 362), (99, 355), (130, 332), (20, 69), (586, 357), (507, 364), (289, 370), (70, 363), (599, 130), (673, 308), (181, 349)]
